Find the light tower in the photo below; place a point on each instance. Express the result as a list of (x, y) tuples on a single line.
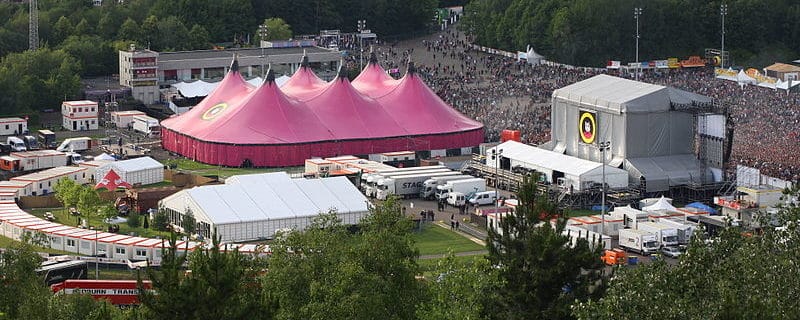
[(636, 13), (33, 25), (723, 10), (362, 25)]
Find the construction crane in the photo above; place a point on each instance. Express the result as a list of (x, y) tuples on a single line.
[(33, 25)]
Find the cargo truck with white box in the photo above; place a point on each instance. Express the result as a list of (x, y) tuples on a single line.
[(639, 241), (667, 235), (146, 125), (465, 186), (685, 229), (371, 177), (75, 144), (429, 186), (408, 185)]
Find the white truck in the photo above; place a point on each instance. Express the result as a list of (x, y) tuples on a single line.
[(16, 144), (407, 185), (75, 144), (371, 189), (465, 186), (685, 230), (667, 236), (456, 199), (368, 178), (639, 241), (428, 190), (146, 125)]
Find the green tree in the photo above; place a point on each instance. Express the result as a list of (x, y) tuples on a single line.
[(35, 80), (62, 29), (21, 284), (198, 38), (457, 289), (67, 192), (326, 272), (129, 30), (89, 203), (149, 31), (134, 220), (222, 285), (277, 29), (732, 276), (160, 221), (188, 222), (172, 35), (97, 56), (83, 28), (540, 273)]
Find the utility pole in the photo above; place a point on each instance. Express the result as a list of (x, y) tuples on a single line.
[(33, 25), (263, 32), (636, 13), (362, 25), (723, 11)]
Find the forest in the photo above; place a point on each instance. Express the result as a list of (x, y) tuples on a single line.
[(78, 39), (591, 32)]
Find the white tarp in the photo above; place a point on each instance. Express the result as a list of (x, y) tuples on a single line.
[(661, 205), (201, 88), (105, 156), (743, 78)]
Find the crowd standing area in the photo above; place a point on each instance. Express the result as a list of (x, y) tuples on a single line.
[(506, 94)]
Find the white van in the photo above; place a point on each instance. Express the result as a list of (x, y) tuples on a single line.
[(16, 144), (483, 198), (456, 199)]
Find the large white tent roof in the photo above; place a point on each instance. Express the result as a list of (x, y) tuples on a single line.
[(201, 88), (619, 95), (270, 196), (551, 160), (137, 164)]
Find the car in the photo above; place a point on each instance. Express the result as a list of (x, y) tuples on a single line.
[(671, 252)]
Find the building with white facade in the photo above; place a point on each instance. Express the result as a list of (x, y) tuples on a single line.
[(79, 115)]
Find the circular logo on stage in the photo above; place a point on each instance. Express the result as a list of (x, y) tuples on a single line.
[(214, 111), (587, 127)]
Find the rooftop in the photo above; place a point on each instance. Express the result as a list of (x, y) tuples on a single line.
[(48, 174), (782, 67), (228, 53)]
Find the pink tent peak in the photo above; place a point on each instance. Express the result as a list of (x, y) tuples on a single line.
[(304, 83), (268, 116), (373, 80), (350, 115), (112, 181)]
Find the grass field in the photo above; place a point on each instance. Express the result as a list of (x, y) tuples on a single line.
[(63, 217), (582, 213), (427, 267), (437, 240), (223, 172)]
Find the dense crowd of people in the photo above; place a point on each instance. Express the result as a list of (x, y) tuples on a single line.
[(505, 94)]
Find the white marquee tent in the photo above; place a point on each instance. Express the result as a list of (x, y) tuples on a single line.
[(577, 172), (142, 170), (201, 88), (256, 206), (661, 205)]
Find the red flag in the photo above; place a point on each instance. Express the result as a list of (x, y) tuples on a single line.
[(112, 181)]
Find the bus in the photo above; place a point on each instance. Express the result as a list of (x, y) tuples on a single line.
[(59, 271)]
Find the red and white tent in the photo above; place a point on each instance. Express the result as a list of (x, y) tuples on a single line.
[(111, 181)]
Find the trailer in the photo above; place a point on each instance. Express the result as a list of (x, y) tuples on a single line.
[(371, 188), (429, 186), (667, 235), (47, 139), (75, 144), (33, 160), (685, 229), (124, 119), (408, 185), (117, 292), (147, 125), (372, 177), (13, 126), (465, 186), (639, 241)]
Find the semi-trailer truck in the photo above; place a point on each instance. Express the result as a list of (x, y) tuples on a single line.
[(639, 241), (146, 125), (429, 186), (667, 235), (465, 186), (371, 176), (372, 183), (407, 185)]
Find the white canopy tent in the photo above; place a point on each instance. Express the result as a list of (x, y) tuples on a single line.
[(256, 206), (577, 173), (743, 78), (144, 171), (201, 88), (661, 205), (105, 157)]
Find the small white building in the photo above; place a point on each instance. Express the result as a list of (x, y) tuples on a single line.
[(79, 115), (143, 171), (42, 182), (13, 126), (250, 207), (14, 189), (124, 119)]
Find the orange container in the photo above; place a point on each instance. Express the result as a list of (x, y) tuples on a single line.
[(510, 135)]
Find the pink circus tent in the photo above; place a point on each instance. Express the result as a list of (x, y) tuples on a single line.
[(308, 117)]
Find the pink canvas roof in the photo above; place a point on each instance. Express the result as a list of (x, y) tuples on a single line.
[(417, 108), (350, 115), (373, 80), (304, 84), (267, 116), (230, 91)]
